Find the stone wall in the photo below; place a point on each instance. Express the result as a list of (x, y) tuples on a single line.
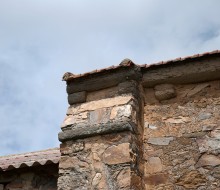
[(182, 136), (34, 178), (139, 127), (101, 140)]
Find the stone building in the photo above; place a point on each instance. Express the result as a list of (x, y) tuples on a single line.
[(134, 126)]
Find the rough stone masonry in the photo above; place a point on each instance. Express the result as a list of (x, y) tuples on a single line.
[(143, 127)]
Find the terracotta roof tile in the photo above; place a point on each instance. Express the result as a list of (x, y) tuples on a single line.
[(180, 59), (29, 159)]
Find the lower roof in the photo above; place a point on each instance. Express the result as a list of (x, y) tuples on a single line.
[(30, 159)]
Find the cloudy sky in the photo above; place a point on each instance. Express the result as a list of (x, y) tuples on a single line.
[(40, 40)]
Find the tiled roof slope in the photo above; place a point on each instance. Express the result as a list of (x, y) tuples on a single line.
[(29, 159), (177, 60)]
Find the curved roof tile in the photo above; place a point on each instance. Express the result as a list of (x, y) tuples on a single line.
[(29, 159)]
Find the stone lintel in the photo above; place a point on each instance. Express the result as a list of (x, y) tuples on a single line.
[(104, 79), (84, 131), (182, 73)]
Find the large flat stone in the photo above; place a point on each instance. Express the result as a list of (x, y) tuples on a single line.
[(104, 103), (86, 130), (160, 140), (192, 71)]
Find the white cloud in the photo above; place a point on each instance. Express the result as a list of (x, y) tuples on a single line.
[(40, 40)]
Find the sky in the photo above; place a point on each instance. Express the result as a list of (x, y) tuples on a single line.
[(41, 40)]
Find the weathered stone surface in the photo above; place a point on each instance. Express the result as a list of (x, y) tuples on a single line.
[(73, 179), (94, 105), (67, 162), (204, 116), (84, 131), (128, 87), (177, 131), (197, 89), (160, 140), (102, 94), (192, 180), (117, 154), (194, 134), (77, 97), (74, 119), (208, 127), (215, 133), (124, 179), (216, 172), (104, 80), (177, 120), (207, 144), (96, 180), (99, 116), (156, 179), (164, 92), (183, 73), (153, 165), (148, 125), (208, 160), (149, 96), (121, 111), (71, 147)]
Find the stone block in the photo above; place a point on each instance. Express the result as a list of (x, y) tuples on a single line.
[(128, 87), (67, 162), (210, 145), (117, 154), (74, 119), (208, 160), (177, 120), (215, 133), (99, 116), (68, 148), (77, 97), (153, 165), (160, 140), (204, 116), (102, 94), (87, 130), (94, 105), (120, 112), (96, 180), (164, 92)]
